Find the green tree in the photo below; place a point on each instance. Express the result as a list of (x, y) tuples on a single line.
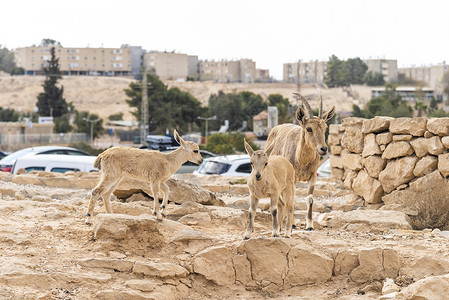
[(7, 63), (344, 73), (334, 72), (420, 107), (283, 106), (445, 82), (373, 79), (62, 124), (356, 69), (388, 104), (167, 108), (227, 143), (116, 117), (236, 108), (84, 126), (8, 115), (51, 102)]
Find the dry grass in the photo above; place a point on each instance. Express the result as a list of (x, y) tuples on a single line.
[(432, 207)]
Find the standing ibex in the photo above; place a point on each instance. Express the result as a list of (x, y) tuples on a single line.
[(302, 145), (149, 166), (271, 176)]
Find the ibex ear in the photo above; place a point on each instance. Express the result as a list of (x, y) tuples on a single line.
[(178, 139), (301, 115), (248, 148), (329, 114)]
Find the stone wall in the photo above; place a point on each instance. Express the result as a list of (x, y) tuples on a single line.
[(383, 158)]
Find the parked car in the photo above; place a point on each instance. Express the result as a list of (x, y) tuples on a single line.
[(324, 171), (228, 165), (8, 161), (2, 154), (55, 163)]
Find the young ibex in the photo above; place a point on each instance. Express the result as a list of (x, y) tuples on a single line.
[(272, 176), (302, 145), (149, 166)]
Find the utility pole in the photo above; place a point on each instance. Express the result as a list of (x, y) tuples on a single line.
[(91, 128), (144, 109), (207, 120)]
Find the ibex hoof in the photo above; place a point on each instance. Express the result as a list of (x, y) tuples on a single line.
[(309, 229), (293, 226), (246, 237)]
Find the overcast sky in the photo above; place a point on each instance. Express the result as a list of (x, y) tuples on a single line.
[(269, 32)]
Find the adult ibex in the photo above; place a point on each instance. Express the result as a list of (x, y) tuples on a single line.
[(302, 145)]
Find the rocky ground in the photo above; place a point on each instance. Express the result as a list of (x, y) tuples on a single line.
[(197, 251)]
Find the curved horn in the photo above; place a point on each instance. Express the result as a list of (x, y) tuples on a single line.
[(320, 112), (309, 110)]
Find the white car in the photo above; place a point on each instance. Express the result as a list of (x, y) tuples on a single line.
[(54, 163), (227, 165), (324, 171)]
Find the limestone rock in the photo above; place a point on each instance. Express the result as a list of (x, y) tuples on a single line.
[(443, 164), (430, 288), (337, 174), (308, 266), (413, 126), (438, 126), (349, 180), (242, 269), (336, 150), (352, 122), (106, 263), (402, 137), (397, 172), (425, 166), (389, 287), (435, 146), (161, 270), (345, 262), (351, 161), (374, 265), (397, 149), (371, 147), (336, 161), (376, 124), (26, 179), (215, 264), (445, 141), (367, 187), (420, 146), (374, 165), (333, 129), (373, 220), (333, 140), (353, 140), (428, 134), (180, 191), (384, 138), (197, 219), (144, 285), (268, 259), (427, 266)]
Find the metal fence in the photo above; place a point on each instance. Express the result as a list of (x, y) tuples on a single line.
[(11, 142)]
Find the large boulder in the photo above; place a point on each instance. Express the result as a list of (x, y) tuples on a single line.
[(353, 140), (370, 220), (397, 172), (161, 270), (374, 165), (443, 164), (425, 166), (351, 161), (413, 126), (427, 266), (435, 146), (180, 191), (420, 146), (384, 138)]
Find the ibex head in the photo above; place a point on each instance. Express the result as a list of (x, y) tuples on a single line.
[(192, 149), (314, 127), (259, 160)]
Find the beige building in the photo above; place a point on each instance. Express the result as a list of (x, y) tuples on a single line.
[(387, 67), (123, 61), (263, 75), (170, 65), (305, 72), (432, 76), (243, 70)]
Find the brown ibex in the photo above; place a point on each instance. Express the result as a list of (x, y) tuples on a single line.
[(302, 145), (271, 176), (149, 166)]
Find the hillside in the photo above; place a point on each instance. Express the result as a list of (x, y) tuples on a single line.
[(106, 96)]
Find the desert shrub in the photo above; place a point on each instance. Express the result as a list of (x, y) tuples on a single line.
[(431, 207)]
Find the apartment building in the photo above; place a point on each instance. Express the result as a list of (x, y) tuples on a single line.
[(431, 75), (243, 70), (387, 67), (123, 61), (305, 72)]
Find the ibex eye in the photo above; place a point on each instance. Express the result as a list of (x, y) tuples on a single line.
[(195, 151), (266, 164), (309, 129)]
